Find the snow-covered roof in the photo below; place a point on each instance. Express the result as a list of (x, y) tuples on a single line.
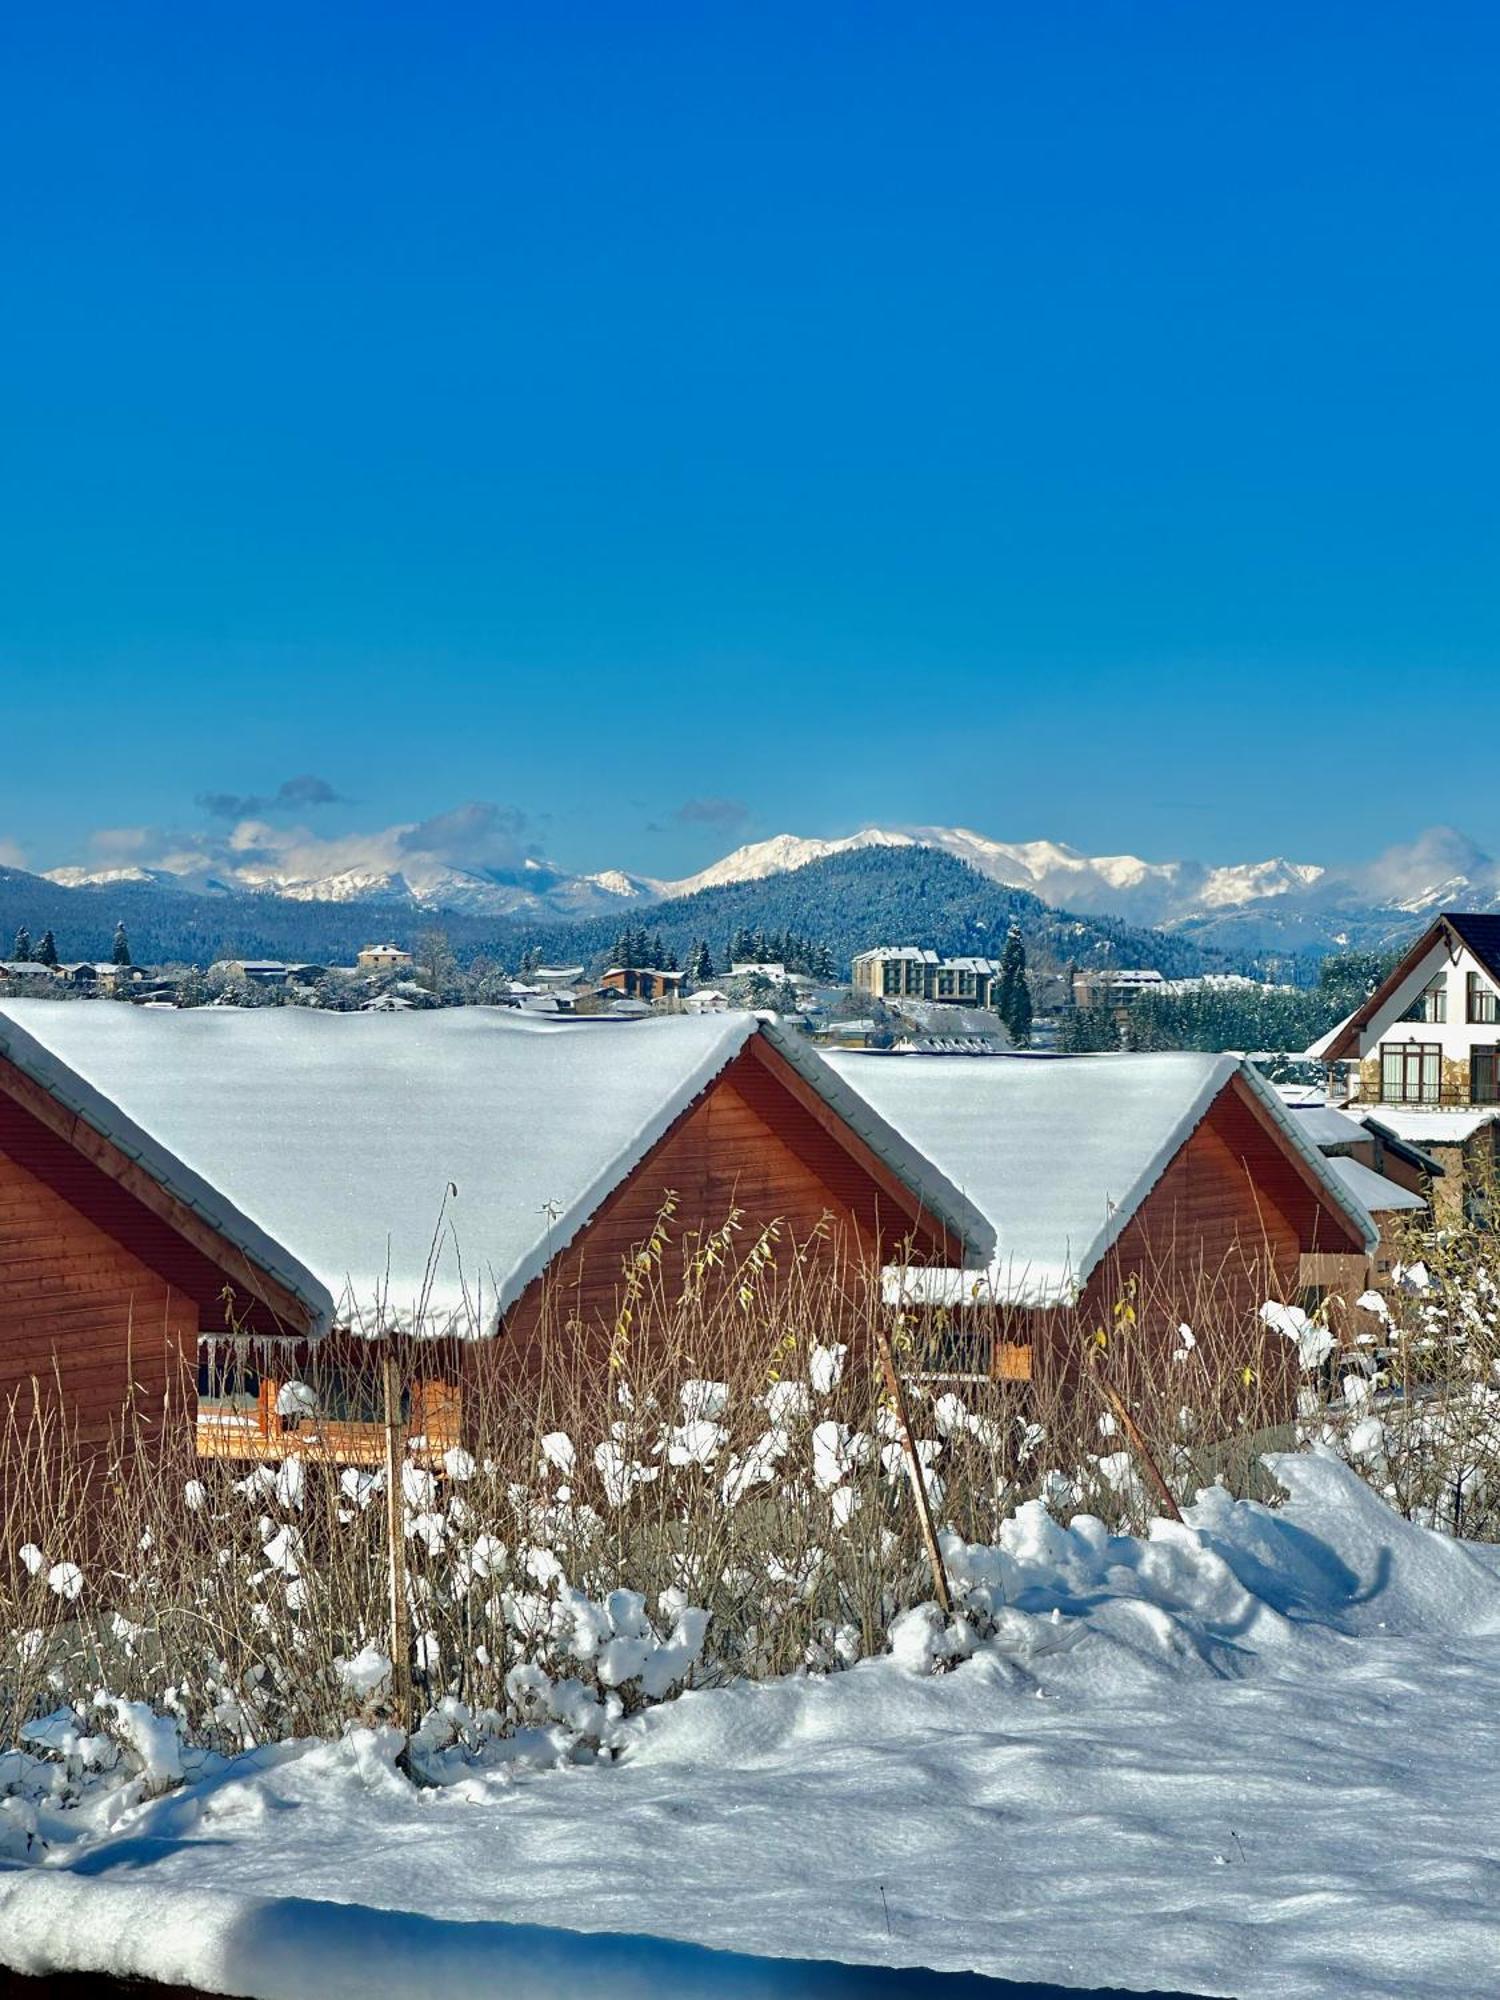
[(1327, 1127), (417, 1168), (1379, 1195), (1426, 1126), (1059, 1154)]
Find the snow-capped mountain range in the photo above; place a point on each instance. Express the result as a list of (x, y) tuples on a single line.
[(1256, 902)]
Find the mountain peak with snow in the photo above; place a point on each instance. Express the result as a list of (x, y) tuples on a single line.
[(1275, 899)]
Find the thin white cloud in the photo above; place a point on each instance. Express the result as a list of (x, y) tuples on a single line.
[(479, 836)]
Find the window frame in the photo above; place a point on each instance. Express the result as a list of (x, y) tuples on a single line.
[(1482, 1005), (1409, 1056), (1430, 1008)]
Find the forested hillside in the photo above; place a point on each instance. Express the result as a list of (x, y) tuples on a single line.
[(882, 895)]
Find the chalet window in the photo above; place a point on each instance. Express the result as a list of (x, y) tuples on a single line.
[(949, 1349), (1484, 1001), (1431, 1004), (1484, 1076), (227, 1385), (1411, 1072), (347, 1396)]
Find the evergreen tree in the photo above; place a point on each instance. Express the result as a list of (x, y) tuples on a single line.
[(701, 965), (658, 951), (46, 951), (20, 951), (121, 952), (1012, 992), (1088, 1031)]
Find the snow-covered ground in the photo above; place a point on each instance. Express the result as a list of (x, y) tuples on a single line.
[(1252, 1755)]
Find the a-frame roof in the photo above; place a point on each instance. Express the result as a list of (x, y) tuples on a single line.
[(1058, 1153)]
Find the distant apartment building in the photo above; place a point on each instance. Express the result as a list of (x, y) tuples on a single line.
[(907, 972), (1115, 985)]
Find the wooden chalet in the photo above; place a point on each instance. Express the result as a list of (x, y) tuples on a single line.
[(1097, 1171), (181, 1187)]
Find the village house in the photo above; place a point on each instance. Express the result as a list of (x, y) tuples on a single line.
[(102, 975), (1093, 1171), (1389, 1178), (1422, 1056), (642, 982), (173, 1183), (24, 975), (382, 958)]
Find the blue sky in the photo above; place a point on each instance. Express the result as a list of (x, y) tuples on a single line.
[(672, 425)]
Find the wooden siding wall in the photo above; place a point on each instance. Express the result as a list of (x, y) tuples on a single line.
[(1234, 1215), (749, 1143), (109, 1204), (1203, 1217), (80, 1313)]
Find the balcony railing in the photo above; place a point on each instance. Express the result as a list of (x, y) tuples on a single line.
[(1442, 1100)]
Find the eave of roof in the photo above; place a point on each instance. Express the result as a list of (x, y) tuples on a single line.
[(1322, 1167), (932, 1189), (96, 1111)]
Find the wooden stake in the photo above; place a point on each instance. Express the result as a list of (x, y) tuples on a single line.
[(1133, 1433), (897, 1392), (395, 1459)]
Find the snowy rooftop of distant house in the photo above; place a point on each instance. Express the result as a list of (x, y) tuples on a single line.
[(1426, 1125), (404, 1169), (1327, 1127), (1058, 1154), (1379, 1195)]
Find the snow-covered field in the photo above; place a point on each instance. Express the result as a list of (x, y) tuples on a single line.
[(1253, 1755)]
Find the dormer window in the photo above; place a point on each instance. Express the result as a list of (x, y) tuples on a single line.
[(1431, 1004), (1484, 1001)]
